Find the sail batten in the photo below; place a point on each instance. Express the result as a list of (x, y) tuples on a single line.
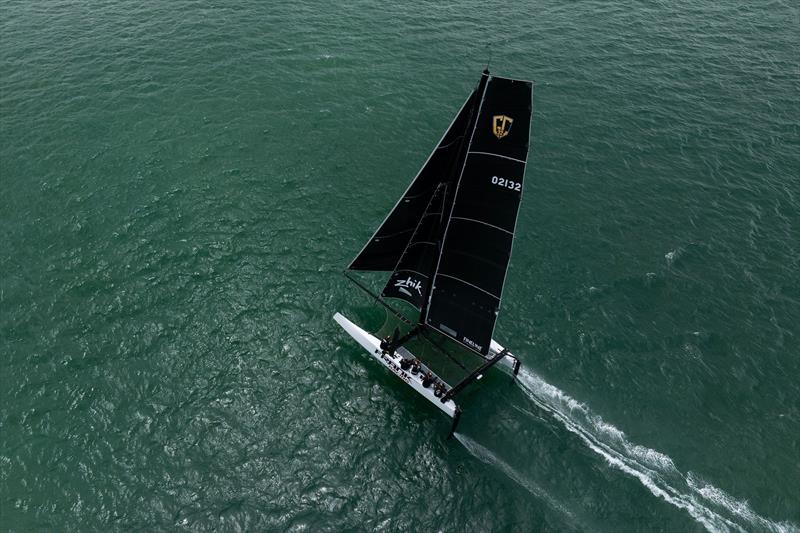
[(495, 296), (484, 223), (523, 161)]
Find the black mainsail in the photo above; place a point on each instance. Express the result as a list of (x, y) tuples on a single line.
[(476, 245), (448, 240)]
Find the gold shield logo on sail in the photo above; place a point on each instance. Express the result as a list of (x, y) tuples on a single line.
[(501, 125)]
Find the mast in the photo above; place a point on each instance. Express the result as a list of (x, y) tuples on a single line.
[(423, 312), (451, 182)]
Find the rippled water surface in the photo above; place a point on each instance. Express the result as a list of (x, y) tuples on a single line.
[(181, 184)]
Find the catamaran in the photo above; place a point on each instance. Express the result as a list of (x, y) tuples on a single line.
[(447, 243)]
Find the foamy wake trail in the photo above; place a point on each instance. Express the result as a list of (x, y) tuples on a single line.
[(710, 506)]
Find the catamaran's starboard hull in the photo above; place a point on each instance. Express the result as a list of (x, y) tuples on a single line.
[(373, 346), (508, 363)]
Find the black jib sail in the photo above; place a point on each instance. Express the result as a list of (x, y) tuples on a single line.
[(383, 250), (476, 245)]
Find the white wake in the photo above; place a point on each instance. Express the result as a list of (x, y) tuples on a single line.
[(709, 505)]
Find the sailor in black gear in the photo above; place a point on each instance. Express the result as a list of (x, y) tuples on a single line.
[(438, 389)]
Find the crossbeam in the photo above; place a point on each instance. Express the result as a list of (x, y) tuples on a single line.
[(472, 377)]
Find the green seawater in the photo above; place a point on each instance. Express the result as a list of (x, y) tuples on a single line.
[(181, 184)]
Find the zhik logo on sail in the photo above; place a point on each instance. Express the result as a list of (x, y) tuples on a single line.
[(501, 125), (404, 284)]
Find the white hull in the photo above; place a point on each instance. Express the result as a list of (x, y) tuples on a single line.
[(509, 362), (373, 346)]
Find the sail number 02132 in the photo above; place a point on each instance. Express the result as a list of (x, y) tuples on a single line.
[(508, 184)]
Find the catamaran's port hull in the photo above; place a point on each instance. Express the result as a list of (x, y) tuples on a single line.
[(373, 346)]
